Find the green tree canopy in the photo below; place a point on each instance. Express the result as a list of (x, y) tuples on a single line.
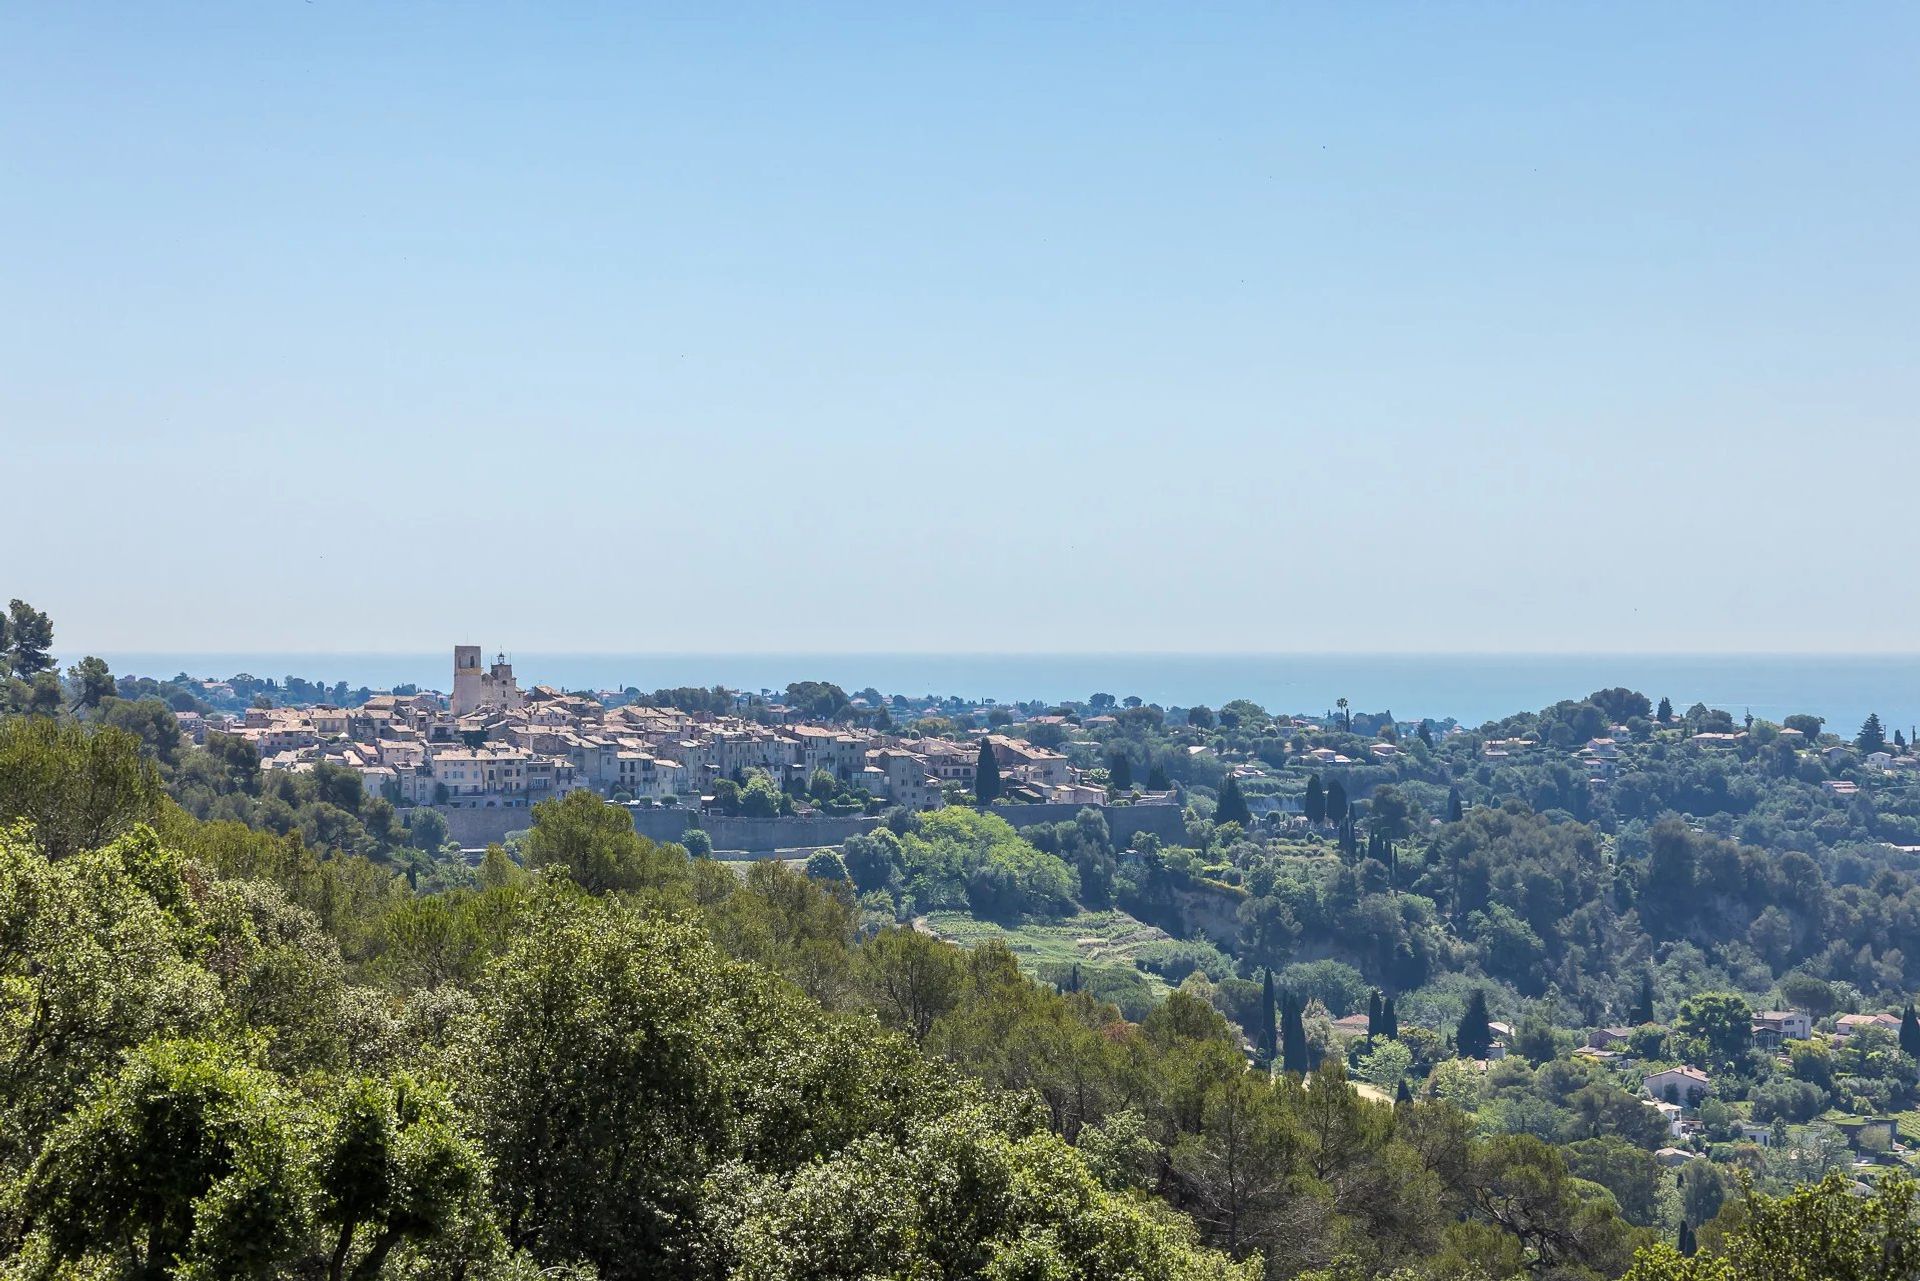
[(1233, 804), (986, 775), (76, 789), (29, 637), (594, 842)]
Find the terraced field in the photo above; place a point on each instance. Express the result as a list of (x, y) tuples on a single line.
[(1102, 939)]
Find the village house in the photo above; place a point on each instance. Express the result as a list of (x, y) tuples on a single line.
[(481, 778), (1609, 1038), (1028, 763), (816, 747), (1685, 1086), (1773, 1027), (1718, 740), (328, 722), (905, 778), (644, 777), (1847, 1024)]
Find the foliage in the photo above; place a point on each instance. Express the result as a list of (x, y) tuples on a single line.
[(76, 789), (1820, 1231), (986, 775), (595, 844), (960, 857)]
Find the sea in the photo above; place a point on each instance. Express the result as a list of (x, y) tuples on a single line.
[(1469, 688)]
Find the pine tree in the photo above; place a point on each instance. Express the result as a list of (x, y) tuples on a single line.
[(1233, 806), (1910, 1032), (1315, 803), (1336, 802), (986, 776), (1872, 738), (1390, 1017), (1474, 1038), (30, 640), (1269, 1028), (1665, 714), (1374, 1018), (1454, 808), (1643, 1005), (1293, 1036)]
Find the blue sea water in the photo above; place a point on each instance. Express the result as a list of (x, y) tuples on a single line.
[(1470, 688)]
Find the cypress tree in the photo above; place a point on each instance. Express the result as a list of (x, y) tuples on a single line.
[(1474, 1038), (1643, 1004), (1293, 1037), (1454, 810), (1426, 732), (1390, 1017), (1315, 803), (1375, 1025), (1910, 1032), (986, 776), (1269, 1028), (1120, 772), (1233, 806), (1349, 846), (1687, 1242), (1336, 802), (1401, 1094), (1157, 779), (1665, 713)]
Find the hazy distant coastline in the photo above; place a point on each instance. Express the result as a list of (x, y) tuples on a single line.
[(1470, 688)]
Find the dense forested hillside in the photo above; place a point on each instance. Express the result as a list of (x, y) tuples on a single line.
[(267, 1026)]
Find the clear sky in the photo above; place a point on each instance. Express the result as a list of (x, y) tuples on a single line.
[(330, 326)]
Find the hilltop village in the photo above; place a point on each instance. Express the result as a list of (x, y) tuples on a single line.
[(493, 745)]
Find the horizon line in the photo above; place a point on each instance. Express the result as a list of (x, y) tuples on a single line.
[(83, 651)]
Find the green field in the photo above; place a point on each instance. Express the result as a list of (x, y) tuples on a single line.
[(1090, 938)]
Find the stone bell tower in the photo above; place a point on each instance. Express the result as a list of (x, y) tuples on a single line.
[(467, 685)]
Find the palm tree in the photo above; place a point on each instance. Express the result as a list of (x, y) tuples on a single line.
[(1345, 720)]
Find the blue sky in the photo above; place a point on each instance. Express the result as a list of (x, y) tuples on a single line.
[(1214, 328)]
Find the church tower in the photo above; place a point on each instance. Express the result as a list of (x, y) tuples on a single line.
[(467, 693)]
